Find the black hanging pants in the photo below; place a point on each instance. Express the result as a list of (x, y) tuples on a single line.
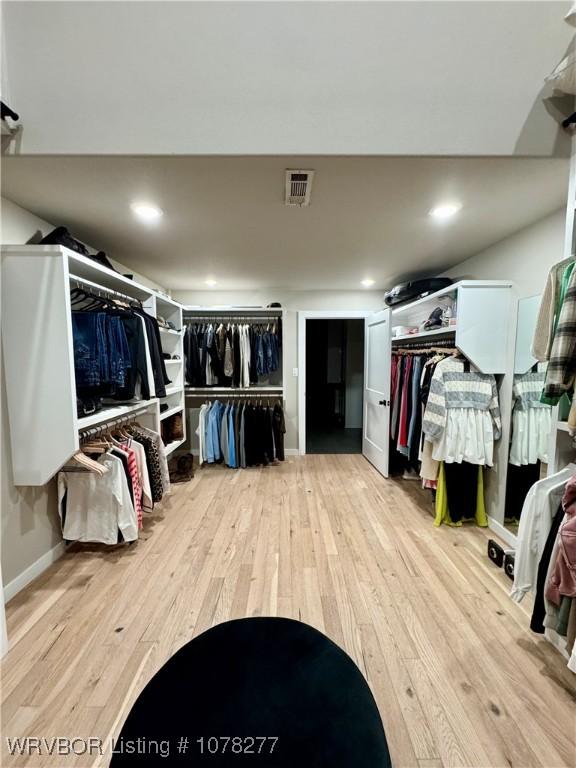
[(461, 490)]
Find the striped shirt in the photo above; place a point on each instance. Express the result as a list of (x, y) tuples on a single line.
[(527, 390), (452, 386)]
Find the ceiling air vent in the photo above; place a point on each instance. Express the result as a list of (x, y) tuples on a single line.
[(298, 187)]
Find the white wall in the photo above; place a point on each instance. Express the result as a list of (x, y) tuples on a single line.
[(291, 301), (524, 257), (354, 375), (403, 78), (30, 524), (17, 225)]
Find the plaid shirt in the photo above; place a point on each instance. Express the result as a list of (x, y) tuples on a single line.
[(562, 365)]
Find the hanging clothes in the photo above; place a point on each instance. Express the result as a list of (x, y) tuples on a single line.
[(234, 355), (539, 610), (539, 509), (531, 420), (242, 435), (201, 433), (97, 508), (562, 580), (458, 500), (549, 309), (462, 415), (561, 369), (519, 480)]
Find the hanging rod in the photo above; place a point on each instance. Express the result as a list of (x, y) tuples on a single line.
[(237, 396), (426, 345), (100, 288), (114, 421), (230, 317)]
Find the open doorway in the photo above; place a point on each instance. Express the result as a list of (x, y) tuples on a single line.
[(334, 385)]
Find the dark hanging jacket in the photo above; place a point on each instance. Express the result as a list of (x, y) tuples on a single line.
[(137, 346), (155, 347)]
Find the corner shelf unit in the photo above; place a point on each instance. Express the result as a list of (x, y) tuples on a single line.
[(234, 314), (484, 332), (39, 355), (484, 309), (272, 387)]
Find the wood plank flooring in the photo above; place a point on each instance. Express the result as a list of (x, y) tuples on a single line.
[(459, 678)]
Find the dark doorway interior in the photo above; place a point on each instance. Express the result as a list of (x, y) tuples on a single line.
[(334, 385)]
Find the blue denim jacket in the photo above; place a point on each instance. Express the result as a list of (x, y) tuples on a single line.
[(213, 425), (231, 435)]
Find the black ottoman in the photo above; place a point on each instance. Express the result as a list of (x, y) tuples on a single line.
[(260, 692)]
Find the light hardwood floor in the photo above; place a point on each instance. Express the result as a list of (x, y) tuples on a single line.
[(459, 678)]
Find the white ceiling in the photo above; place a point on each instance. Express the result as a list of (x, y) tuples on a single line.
[(225, 217), (247, 78)]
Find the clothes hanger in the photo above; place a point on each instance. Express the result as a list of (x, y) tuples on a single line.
[(87, 464)]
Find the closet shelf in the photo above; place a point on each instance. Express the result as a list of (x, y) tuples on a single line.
[(431, 297), (562, 426), (173, 362), (171, 412), (114, 412), (191, 312), (169, 331), (426, 334), (161, 299), (239, 390), (173, 446), (29, 274), (176, 390), (482, 317)]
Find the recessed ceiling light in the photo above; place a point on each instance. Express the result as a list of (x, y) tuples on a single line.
[(210, 282), (445, 211), (147, 212), (367, 282)]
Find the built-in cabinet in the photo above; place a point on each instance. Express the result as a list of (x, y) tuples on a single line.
[(270, 388), (38, 356), (482, 326)]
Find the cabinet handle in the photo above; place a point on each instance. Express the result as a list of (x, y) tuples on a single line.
[(383, 402)]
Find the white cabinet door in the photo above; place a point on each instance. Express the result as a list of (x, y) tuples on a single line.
[(375, 437)]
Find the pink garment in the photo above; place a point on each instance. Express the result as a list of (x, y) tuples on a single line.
[(393, 390), (562, 581), (403, 426)]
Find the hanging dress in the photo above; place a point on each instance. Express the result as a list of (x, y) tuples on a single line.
[(462, 415)]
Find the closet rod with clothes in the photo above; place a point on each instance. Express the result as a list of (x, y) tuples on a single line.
[(444, 420), (118, 473), (117, 348), (113, 422), (231, 317), (241, 432), (101, 290), (227, 352)]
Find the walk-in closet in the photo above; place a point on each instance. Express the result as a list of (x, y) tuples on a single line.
[(288, 367)]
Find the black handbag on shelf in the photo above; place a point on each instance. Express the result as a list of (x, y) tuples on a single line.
[(416, 289), (61, 236)]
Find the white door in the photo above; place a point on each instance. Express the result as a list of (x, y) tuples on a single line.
[(375, 437)]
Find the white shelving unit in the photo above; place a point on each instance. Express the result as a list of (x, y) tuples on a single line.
[(273, 387), (173, 344), (484, 331), (426, 335), (484, 309), (39, 355)]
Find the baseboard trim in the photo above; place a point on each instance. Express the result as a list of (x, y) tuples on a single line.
[(503, 532), (33, 571)]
